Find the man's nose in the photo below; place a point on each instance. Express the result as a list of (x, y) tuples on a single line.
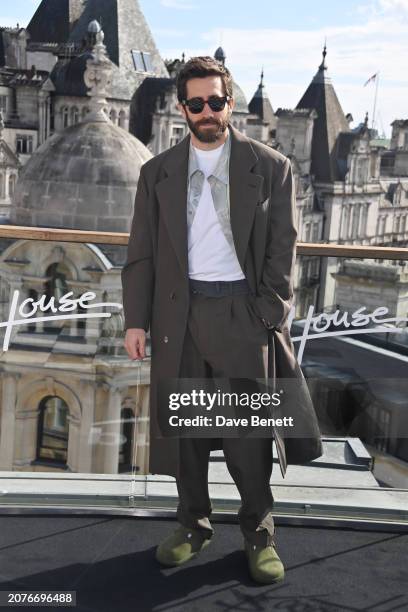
[(207, 111)]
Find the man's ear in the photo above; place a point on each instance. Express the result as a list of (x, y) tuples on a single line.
[(181, 109)]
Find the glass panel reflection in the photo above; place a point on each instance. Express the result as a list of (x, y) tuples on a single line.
[(351, 337), (74, 413)]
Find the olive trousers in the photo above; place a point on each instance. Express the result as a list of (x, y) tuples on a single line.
[(225, 338)]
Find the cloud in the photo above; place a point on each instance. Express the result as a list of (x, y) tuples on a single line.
[(169, 32), (398, 6), (378, 43), (180, 5)]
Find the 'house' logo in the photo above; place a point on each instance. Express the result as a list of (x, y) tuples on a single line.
[(18, 316)]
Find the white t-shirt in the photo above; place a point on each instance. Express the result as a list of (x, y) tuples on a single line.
[(210, 256)]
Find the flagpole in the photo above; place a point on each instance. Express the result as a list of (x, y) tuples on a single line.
[(375, 99)]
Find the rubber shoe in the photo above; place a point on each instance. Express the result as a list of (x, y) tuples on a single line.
[(264, 564), (181, 546)]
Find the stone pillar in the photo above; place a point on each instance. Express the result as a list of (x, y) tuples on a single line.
[(8, 419), (73, 442), (26, 437), (41, 118), (15, 284), (47, 117), (111, 432), (6, 184)]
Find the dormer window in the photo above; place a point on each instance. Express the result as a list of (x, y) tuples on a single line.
[(142, 61)]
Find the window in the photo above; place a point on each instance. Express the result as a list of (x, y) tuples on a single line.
[(355, 221), (406, 141), (55, 286), (74, 115), (52, 437), (33, 294), (65, 117), (177, 134), (345, 223), (147, 61), (12, 184), (361, 171), (24, 144), (3, 104), (122, 119), (142, 61), (315, 235)]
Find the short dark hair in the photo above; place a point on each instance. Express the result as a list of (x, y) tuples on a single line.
[(200, 67)]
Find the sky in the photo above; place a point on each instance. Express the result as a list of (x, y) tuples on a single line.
[(286, 39)]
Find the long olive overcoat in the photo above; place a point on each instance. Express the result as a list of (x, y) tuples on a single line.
[(155, 275)]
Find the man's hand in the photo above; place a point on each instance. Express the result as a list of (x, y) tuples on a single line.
[(135, 343)]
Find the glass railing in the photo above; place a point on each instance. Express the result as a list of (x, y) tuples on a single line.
[(74, 412)]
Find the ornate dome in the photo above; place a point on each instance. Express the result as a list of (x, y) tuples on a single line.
[(241, 105), (82, 178)]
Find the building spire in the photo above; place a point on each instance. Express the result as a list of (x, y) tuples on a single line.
[(323, 64), (97, 77)]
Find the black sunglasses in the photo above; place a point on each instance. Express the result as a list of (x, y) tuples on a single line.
[(196, 105)]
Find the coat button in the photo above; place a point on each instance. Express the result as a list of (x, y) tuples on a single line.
[(172, 295), (166, 339)]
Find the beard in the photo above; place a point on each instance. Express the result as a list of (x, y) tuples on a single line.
[(208, 134)]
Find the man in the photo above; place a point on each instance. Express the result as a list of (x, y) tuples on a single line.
[(210, 271)]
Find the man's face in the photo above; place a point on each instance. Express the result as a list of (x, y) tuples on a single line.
[(209, 125)]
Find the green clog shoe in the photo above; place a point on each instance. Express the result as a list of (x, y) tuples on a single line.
[(181, 546), (264, 564)]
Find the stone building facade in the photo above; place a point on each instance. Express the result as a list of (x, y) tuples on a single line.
[(69, 396), (70, 400)]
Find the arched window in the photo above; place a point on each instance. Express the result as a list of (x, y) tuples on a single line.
[(113, 116), (65, 117), (12, 184), (122, 119), (74, 115), (85, 111), (52, 433), (2, 185), (127, 422), (56, 286)]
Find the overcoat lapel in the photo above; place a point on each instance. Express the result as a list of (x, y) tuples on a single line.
[(172, 195), (245, 192)]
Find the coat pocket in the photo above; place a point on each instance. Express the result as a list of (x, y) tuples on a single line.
[(263, 205)]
